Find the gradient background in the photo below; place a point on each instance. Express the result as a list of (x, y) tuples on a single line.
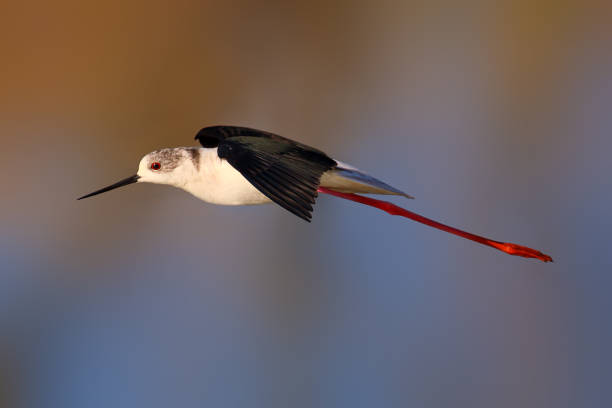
[(496, 116)]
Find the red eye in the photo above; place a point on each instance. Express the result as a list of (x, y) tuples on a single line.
[(155, 166)]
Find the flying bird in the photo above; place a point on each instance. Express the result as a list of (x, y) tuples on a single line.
[(244, 166)]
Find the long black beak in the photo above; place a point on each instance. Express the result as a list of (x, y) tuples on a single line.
[(118, 184)]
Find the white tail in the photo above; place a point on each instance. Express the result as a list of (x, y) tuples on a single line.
[(347, 179)]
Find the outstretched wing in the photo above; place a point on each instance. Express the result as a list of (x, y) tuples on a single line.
[(286, 172)]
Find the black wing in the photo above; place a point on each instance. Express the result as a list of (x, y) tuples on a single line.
[(285, 171)]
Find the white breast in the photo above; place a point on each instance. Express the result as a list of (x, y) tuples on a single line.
[(217, 182)]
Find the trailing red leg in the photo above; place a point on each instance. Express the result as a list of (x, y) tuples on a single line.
[(509, 248)]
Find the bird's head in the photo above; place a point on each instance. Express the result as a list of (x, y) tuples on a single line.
[(172, 166)]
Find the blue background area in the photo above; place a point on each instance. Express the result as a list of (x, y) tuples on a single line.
[(496, 117)]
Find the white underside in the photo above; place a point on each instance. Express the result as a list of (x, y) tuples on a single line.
[(218, 182)]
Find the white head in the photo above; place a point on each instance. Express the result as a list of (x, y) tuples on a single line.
[(172, 166)]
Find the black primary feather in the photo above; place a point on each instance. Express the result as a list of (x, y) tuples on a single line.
[(286, 172)]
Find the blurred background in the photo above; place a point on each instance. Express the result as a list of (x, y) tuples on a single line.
[(494, 115)]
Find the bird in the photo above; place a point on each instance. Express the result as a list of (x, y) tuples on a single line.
[(238, 165)]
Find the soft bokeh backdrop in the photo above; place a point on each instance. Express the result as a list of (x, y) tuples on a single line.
[(496, 116)]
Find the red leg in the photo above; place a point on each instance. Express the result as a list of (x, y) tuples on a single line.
[(509, 248)]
